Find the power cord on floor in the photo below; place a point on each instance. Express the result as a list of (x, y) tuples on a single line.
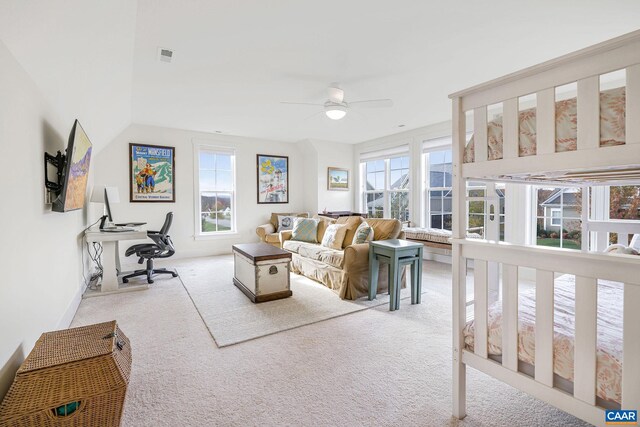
[(92, 283)]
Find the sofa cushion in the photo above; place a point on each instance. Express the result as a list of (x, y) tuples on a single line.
[(385, 228), (305, 230), (332, 257), (351, 223), (274, 217), (334, 236)]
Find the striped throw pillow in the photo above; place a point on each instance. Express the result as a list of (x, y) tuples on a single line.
[(305, 230)]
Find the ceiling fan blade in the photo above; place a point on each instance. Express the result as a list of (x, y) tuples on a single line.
[(302, 103), (372, 103), (335, 93)]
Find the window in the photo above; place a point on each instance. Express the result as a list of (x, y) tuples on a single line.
[(216, 191), (438, 195), (558, 213), (624, 204), (478, 208), (386, 188), (556, 217)]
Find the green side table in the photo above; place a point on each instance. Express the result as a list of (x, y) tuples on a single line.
[(398, 254)]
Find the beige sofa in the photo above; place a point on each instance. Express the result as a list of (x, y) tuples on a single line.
[(268, 233), (345, 271)]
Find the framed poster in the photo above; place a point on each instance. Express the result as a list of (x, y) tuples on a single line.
[(337, 179), (152, 173), (273, 179)]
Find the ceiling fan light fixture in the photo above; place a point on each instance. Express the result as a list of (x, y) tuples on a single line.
[(335, 112)]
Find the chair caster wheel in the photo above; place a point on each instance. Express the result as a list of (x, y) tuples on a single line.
[(149, 281), (125, 280), (174, 274)]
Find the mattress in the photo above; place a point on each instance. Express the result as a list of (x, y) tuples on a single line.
[(612, 127), (609, 332), (434, 235)]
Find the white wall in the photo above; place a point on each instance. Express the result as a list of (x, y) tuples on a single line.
[(319, 156), (41, 251), (79, 53), (112, 168)]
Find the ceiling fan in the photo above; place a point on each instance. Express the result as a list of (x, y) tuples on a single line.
[(336, 107)]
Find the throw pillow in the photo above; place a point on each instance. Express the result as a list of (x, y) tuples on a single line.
[(333, 236), (305, 230), (285, 222), (322, 226), (364, 233)]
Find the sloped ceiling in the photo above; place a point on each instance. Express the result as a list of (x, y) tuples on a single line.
[(235, 61), (80, 55)]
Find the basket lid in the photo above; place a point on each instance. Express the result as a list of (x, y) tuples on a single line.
[(71, 345)]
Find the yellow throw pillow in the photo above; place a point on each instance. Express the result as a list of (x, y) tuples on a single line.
[(334, 236)]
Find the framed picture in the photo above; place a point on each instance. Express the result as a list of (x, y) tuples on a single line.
[(337, 179), (152, 173), (273, 179)]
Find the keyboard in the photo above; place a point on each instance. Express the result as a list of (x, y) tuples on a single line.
[(130, 224), (116, 229)]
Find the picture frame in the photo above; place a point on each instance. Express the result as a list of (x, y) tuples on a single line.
[(337, 179), (152, 172), (272, 175)]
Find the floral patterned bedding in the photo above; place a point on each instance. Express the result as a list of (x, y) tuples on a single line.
[(609, 329), (612, 127)]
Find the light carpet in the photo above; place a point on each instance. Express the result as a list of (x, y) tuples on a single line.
[(232, 318), (370, 368)]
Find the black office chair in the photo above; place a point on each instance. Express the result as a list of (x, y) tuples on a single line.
[(162, 248)]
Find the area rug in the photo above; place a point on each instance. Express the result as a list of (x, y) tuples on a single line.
[(232, 318)]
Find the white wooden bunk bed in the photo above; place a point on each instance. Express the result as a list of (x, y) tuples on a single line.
[(514, 340)]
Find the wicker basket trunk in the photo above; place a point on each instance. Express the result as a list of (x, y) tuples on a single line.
[(74, 377)]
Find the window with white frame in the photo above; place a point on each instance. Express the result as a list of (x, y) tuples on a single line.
[(386, 187), (438, 194), (215, 192), (556, 217)]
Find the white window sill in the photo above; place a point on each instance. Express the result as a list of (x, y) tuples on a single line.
[(217, 236)]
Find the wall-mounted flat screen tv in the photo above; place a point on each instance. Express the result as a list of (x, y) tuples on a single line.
[(76, 171)]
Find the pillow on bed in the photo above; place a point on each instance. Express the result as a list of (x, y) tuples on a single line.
[(621, 249), (363, 234), (334, 236)]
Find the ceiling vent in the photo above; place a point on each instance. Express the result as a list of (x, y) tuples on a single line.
[(165, 55)]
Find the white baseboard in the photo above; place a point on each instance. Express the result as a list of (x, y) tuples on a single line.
[(70, 312)]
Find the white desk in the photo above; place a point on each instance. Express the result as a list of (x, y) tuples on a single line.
[(111, 260)]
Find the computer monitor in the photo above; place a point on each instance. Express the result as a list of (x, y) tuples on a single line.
[(107, 206)]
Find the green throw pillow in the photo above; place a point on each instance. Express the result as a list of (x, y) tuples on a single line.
[(364, 233), (305, 230)]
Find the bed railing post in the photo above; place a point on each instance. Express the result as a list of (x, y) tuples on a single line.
[(510, 317), (589, 113), (633, 106), (546, 121), (544, 327), (459, 263), (631, 348), (584, 385)]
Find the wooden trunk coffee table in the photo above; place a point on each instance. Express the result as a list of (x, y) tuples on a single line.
[(261, 271)]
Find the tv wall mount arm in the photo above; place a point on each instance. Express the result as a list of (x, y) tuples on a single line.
[(57, 161)]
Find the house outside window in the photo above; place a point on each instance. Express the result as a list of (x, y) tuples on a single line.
[(215, 191), (386, 187), (558, 215), (478, 211)]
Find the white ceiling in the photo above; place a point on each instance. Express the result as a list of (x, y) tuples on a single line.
[(235, 61)]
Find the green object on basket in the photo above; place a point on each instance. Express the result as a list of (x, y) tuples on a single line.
[(68, 409)]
